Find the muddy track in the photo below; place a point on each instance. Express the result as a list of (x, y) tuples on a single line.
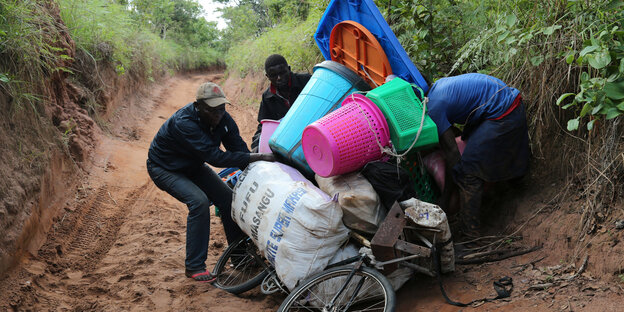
[(91, 232), (118, 243), (75, 246)]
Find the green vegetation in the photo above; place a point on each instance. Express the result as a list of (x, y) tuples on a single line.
[(294, 40), (26, 54), (153, 36), (140, 38), (579, 42), (259, 28)]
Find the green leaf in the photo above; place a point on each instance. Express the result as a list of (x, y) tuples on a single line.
[(600, 59), (563, 97), (588, 49), (525, 38), (510, 40), (622, 66), (536, 60), (614, 90), (570, 58), (621, 106), (596, 109), (613, 112), (4, 78), (502, 36), (573, 124), (580, 97), (603, 33), (513, 51), (511, 20), (594, 41), (590, 124), (585, 109), (584, 77), (550, 30)]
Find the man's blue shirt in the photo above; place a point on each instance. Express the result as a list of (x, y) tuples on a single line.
[(468, 99), (183, 143)]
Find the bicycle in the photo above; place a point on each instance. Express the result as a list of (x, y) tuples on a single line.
[(343, 287), (356, 284), (241, 267)]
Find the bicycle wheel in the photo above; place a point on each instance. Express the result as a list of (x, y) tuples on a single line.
[(240, 268), (368, 290)]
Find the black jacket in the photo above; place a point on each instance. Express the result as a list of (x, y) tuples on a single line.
[(274, 106), (183, 143)]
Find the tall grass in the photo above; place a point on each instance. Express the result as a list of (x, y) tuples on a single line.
[(292, 39), (31, 50), (107, 31), (28, 51)]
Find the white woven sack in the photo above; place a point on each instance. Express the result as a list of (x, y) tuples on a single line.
[(295, 225)]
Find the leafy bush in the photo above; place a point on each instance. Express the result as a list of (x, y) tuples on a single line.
[(294, 40), (517, 40), (600, 58)]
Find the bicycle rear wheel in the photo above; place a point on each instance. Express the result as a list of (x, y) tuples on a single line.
[(368, 290), (240, 268)]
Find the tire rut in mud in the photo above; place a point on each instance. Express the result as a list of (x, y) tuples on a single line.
[(81, 241), (76, 243)]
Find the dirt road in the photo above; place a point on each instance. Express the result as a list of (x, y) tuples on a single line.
[(119, 243)]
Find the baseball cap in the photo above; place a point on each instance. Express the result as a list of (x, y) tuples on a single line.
[(211, 94)]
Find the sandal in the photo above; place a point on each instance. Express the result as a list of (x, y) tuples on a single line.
[(201, 276)]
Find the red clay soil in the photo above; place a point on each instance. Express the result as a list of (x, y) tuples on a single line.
[(118, 245)]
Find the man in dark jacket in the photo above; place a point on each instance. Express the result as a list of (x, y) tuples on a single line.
[(495, 132), (176, 162), (281, 94)]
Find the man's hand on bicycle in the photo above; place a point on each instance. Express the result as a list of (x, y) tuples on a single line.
[(261, 156)]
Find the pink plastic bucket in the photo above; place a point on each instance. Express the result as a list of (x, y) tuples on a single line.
[(347, 138), (434, 163), (268, 127)]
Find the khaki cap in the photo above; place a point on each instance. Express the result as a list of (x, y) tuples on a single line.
[(211, 94)]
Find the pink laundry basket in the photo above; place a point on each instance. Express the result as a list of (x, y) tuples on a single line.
[(347, 138), (268, 127)]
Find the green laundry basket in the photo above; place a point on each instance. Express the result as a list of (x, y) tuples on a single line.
[(403, 111), (424, 185)]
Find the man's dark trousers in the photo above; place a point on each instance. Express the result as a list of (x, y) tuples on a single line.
[(198, 190)]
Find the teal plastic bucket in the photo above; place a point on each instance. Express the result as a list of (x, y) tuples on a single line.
[(330, 83)]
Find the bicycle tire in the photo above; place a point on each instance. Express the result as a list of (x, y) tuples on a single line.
[(242, 274), (309, 297)]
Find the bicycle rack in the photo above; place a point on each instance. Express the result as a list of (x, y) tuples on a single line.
[(271, 284), (386, 241), (386, 237)]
